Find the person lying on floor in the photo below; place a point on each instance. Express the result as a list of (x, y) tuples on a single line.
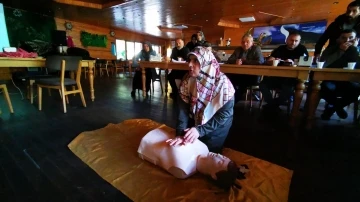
[(339, 94), (184, 160), (205, 102)]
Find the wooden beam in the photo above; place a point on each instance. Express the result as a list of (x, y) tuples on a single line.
[(80, 3), (116, 3)]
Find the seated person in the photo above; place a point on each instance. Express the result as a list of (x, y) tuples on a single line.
[(339, 94), (288, 53), (246, 54), (179, 52), (205, 103), (144, 55), (192, 44), (186, 159)]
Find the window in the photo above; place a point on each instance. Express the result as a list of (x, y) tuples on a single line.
[(130, 50), (138, 47), (157, 49), (120, 49)]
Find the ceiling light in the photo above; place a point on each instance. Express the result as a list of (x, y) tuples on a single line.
[(247, 19), (336, 2), (252, 5)]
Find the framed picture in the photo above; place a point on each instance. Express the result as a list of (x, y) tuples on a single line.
[(273, 35)]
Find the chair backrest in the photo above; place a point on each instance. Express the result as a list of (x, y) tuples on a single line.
[(53, 63), (155, 76)]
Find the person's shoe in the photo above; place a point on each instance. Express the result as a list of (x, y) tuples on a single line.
[(132, 93), (341, 113), (328, 112)]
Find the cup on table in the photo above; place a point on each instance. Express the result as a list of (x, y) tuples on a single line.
[(320, 64), (275, 62), (351, 65), (296, 62), (180, 59)]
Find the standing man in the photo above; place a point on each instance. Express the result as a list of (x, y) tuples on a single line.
[(288, 53), (178, 53), (348, 20)]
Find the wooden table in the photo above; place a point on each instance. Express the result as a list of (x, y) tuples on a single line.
[(319, 75), (40, 62), (300, 73)]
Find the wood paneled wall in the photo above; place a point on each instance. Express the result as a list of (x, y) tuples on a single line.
[(96, 52), (105, 53)]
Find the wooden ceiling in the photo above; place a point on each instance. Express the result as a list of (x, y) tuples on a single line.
[(156, 17)]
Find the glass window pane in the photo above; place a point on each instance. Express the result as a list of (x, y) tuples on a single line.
[(138, 47), (156, 49), (120, 49), (130, 52)]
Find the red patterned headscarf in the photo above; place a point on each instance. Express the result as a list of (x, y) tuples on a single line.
[(210, 89)]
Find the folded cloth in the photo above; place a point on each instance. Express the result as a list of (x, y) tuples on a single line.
[(20, 53), (112, 153)]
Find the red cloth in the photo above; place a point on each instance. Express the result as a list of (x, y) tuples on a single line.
[(20, 53), (70, 42)]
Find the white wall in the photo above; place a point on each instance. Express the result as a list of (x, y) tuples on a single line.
[(4, 38)]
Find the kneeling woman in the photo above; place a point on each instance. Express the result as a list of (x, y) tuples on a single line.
[(144, 55), (205, 103)]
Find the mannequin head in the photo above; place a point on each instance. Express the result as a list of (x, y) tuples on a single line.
[(220, 168)]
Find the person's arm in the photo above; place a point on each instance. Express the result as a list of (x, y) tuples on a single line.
[(135, 62), (330, 55), (256, 59), (352, 54), (323, 39), (305, 51), (183, 117), (172, 56), (219, 119), (186, 51), (232, 59)]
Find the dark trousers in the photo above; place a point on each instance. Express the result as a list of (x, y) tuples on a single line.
[(339, 93), (137, 80), (175, 74), (285, 85), (241, 83)]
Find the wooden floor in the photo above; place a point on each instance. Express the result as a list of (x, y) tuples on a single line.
[(36, 165)]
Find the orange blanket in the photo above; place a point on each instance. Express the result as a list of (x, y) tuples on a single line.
[(112, 153)]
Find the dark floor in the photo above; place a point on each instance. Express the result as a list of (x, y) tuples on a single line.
[(36, 165)]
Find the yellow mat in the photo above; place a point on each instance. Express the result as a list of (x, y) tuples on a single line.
[(112, 153)]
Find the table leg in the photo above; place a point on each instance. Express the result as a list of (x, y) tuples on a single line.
[(297, 101), (91, 80), (314, 100), (143, 81), (166, 80)]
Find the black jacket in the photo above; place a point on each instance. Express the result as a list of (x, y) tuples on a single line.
[(333, 32)]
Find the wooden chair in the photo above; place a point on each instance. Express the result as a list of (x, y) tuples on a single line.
[(119, 65), (62, 63), (251, 90), (7, 97), (156, 77), (105, 67)]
